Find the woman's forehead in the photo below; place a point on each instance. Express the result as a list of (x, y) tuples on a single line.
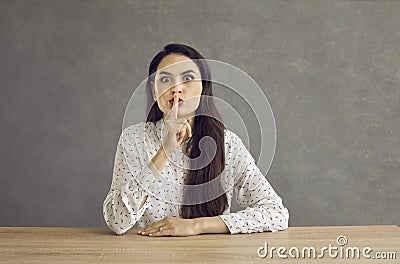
[(176, 65)]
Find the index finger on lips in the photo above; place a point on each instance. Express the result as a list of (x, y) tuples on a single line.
[(174, 110)]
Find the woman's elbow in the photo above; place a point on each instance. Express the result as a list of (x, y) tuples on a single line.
[(285, 219), (282, 221), (117, 229), (118, 232)]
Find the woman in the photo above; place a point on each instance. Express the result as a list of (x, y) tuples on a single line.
[(184, 144)]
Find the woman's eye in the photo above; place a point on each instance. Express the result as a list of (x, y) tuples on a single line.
[(188, 78), (164, 79)]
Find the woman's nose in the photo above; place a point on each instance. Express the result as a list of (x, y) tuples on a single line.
[(177, 88)]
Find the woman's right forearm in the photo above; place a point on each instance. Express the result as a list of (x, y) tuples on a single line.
[(158, 162)]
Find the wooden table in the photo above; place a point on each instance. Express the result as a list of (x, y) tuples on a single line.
[(100, 245)]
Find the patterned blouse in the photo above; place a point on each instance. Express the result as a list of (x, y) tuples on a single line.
[(133, 180)]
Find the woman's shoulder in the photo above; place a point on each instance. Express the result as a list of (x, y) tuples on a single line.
[(231, 138)]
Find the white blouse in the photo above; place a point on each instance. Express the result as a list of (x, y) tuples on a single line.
[(133, 180)]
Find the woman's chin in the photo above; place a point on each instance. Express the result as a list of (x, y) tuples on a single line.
[(186, 114)]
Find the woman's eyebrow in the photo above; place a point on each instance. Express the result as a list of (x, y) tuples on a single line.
[(164, 72)]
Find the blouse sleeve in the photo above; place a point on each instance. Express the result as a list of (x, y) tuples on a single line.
[(264, 209), (130, 185)]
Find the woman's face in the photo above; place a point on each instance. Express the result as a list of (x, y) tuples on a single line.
[(177, 74)]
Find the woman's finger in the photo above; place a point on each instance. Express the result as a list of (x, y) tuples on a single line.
[(152, 230), (155, 225), (186, 129), (189, 129), (181, 135), (164, 232), (173, 114)]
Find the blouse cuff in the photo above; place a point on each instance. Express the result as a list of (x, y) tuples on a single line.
[(228, 222)]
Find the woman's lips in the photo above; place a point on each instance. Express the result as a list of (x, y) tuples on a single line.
[(171, 102)]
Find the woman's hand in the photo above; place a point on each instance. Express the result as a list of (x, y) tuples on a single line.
[(176, 129), (172, 226)]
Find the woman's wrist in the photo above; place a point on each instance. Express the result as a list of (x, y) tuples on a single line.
[(198, 225), (213, 224)]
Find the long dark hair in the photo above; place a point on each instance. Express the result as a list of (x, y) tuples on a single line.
[(209, 124)]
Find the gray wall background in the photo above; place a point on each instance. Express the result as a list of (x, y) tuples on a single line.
[(330, 69)]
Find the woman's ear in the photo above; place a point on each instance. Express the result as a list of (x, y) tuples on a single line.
[(153, 91)]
